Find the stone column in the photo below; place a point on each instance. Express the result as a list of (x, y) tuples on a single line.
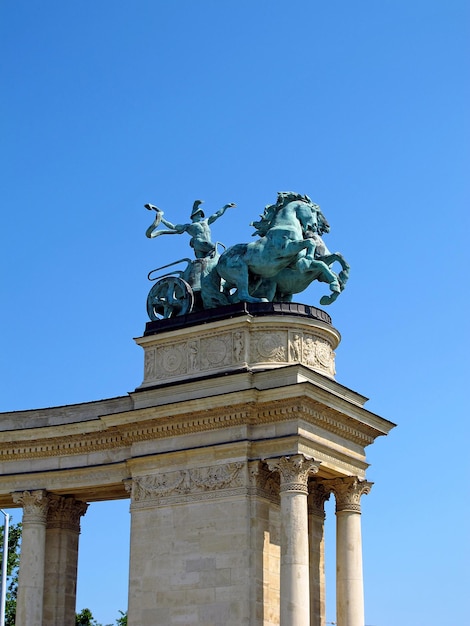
[(349, 582), (62, 531), (31, 573), (318, 495), (294, 472)]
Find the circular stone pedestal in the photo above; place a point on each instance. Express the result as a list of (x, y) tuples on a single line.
[(242, 337)]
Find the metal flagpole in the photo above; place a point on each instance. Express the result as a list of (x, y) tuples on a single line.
[(4, 568)]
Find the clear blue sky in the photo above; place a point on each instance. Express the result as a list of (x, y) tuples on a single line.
[(362, 105)]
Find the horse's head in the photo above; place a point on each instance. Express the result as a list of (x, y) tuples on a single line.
[(322, 223), (294, 209)]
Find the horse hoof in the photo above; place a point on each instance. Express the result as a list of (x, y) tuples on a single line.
[(325, 300)]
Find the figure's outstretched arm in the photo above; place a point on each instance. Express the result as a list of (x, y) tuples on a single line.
[(220, 212), (152, 231)]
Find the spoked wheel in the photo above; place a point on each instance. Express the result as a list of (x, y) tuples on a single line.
[(169, 297)]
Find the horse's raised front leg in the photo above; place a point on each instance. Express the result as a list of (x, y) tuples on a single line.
[(343, 276)]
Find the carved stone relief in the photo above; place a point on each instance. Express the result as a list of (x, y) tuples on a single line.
[(186, 482), (216, 351), (263, 482), (224, 349), (268, 347)]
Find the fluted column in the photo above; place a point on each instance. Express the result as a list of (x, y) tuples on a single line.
[(62, 532), (294, 472), (317, 497), (349, 580), (31, 573)]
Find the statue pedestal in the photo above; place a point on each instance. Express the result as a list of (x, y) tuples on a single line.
[(241, 421), (244, 337)]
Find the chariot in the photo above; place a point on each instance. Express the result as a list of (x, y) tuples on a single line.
[(178, 292)]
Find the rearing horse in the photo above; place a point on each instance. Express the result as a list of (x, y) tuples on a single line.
[(297, 276), (284, 230)]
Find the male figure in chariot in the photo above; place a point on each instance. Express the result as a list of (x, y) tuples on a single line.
[(198, 229)]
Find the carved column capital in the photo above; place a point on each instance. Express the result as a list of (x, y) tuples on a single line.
[(348, 492), (318, 495), (294, 471), (65, 512), (35, 505), (263, 482)]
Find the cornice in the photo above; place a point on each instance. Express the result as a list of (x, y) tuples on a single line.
[(154, 425)]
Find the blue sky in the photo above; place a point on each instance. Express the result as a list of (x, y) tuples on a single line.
[(106, 106)]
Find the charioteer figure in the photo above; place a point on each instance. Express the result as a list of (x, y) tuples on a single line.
[(198, 228)]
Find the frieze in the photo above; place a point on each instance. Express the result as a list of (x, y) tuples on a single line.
[(216, 351), (238, 346), (269, 346), (220, 350), (187, 482)]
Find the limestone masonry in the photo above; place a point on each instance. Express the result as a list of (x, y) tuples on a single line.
[(227, 451)]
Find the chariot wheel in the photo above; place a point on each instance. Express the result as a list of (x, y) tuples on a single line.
[(169, 297)]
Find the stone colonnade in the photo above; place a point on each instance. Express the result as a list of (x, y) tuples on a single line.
[(302, 592), (51, 526), (48, 561)]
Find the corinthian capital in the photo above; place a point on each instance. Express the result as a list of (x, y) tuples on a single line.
[(318, 495), (348, 492), (294, 471), (65, 512), (35, 504)]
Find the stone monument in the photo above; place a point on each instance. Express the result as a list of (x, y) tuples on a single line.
[(227, 450)]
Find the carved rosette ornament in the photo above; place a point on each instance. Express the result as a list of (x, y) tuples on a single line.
[(348, 492), (318, 495), (65, 512), (294, 472), (35, 505)]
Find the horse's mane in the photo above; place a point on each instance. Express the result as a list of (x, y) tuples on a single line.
[(271, 210)]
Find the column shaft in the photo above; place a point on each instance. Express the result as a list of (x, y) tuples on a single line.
[(316, 519), (31, 573), (294, 600), (295, 610), (62, 533), (349, 580)]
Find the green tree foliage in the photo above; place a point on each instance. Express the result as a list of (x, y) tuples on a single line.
[(14, 542), (85, 618), (122, 621)]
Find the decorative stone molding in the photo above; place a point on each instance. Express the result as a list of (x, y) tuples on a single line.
[(263, 482), (65, 512), (241, 342), (35, 505), (186, 482), (348, 492), (294, 471), (317, 496)]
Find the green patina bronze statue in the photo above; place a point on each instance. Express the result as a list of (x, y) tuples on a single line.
[(287, 256), (198, 229)]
